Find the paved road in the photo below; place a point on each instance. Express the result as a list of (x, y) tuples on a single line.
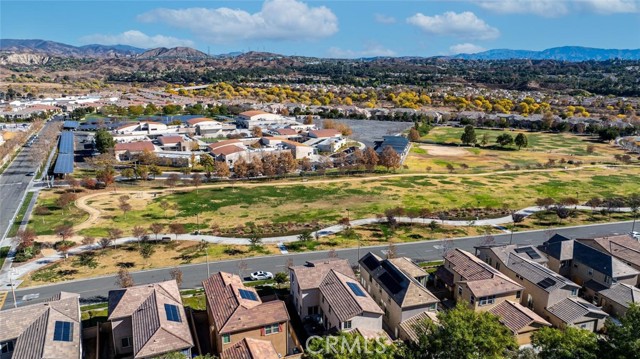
[(14, 183), (97, 289)]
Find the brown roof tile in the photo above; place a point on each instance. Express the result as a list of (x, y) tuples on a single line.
[(138, 146), (516, 317), (325, 133), (249, 348), (481, 278), (344, 302), (170, 139), (254, 113), (313, 272), (411, 326)]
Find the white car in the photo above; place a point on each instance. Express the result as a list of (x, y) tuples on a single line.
[(261, 275), (635, 234)]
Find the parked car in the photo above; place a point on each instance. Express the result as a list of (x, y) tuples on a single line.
[(261, 275), (635, 235), (31, 174)]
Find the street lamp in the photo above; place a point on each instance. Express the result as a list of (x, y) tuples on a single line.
[(205, 244), (13, 290)]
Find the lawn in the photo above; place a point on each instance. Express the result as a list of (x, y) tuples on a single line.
[(15, 226), (45, 224), (318, 204), (442, 146), (4, 251)]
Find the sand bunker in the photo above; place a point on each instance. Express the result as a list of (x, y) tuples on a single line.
[(449, 151)]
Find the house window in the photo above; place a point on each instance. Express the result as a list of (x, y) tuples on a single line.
[(487, 300), (272, 329), (173, 315), (473, 300), (590, 271), (607, 279), (346, 325), (459, 291), (63, 331), (497, 266), (6, 347), (226, 338), (574, 292), (126, 342), (518, 294)]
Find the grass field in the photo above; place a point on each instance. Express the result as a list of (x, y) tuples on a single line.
[(325, 203), (46, 224), (21, 212), (442, 146)]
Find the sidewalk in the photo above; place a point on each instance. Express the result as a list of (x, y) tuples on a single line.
[(496, 222)]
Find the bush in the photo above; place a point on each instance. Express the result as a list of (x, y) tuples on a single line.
[(86, 259)]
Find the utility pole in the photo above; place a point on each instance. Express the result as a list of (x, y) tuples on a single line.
[(206, 252), (13, 290)]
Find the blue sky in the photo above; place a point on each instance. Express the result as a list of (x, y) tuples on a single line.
[(339, 28)]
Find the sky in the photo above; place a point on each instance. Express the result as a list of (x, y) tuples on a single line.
[(338, 28)]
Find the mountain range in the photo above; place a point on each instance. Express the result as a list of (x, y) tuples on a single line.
[(57, 49)]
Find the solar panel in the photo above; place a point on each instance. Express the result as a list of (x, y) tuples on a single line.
[(356, 289), (247, 294), (528, 251), (66, 142), (371, 263), (390, 283), (393, 272), (63, 331), (64, 164), (172, 313), (546, 283)]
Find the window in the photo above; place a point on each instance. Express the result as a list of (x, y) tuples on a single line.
[(247, 294), (574, 292), (459, 291), (173, 315), (473, 300), (226, 339), (607, 279), (518, 294), (126, 342), (497, 266), (6, 347), (487, 300), (346, 325), (272, 329), (63, 331), (590, 271)]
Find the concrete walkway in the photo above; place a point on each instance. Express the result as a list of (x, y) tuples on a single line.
[(20, 271)]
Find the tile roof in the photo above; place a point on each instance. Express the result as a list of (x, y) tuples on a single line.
[(601, 261), (406, 265), (138, 146), (325, 133), (223, 143), (559, 247), (623, 247), (170, 139), (479, 277), (249, 348), (411, 326), (623, 294), (528, 252), (538, 274), (233, 313), (311, 274), (254, 113), (405, 290), (343, 301), (286, 131), (153, 333), (197, 120), (572, 310), (32, 327), (371, 334), (516, 317)]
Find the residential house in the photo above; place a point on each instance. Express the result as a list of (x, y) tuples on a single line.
[(175, 143), (475, 282), (409, 329), (587, 266), (545, 292), (236, 313), (249, 348), (520, 320), (617, 299), (397, 292), (50, 329), (622, 247), (148, 321), (328, 288)]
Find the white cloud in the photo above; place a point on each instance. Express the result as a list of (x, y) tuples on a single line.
[(552, 8), (370, 50), (136, 38), (465, 48), (465, 25), (384, 19), (276, 20)]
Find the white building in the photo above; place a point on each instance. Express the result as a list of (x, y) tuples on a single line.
[(257, 118)]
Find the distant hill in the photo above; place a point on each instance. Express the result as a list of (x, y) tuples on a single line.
[(565, 53), (53, 48), (175, 52)]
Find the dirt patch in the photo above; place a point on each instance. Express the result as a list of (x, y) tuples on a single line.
[(435, 150)]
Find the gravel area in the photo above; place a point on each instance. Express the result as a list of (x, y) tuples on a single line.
[(368, 131)]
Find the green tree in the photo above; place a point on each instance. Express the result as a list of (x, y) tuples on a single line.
[(146, 250), (281, 278), (128, 173), (463, 334), (469, 136), (624, 338), (521, 140), (104, 141), (305, 236), (568, 343), (484, 140), (504, 139)]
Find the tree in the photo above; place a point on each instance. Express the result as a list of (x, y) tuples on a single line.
[(64, 231), (177, 229), (545, 203), (147, 250), (305, 236), (608, 134), (139, 232), (433, 226), (196, 180), (389, 158), (104, 141), (124, 278), (142, 172), (113, 234), (484, 140), (222, 169), (308, 120), (371, 158), (504, 139), (241, 168), (64, 200), (25, 237), (124, 205), (256, 132), (281, 278), (104, 242), (286, 163), (463, 334), (255, 240), (624, 338), (172, 179), (156, 228), (128, 173), (176, 274), (469, 136), (155, 171), (88, 240), (414, 135), (521, 141), (305, 164), (567, 343)]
